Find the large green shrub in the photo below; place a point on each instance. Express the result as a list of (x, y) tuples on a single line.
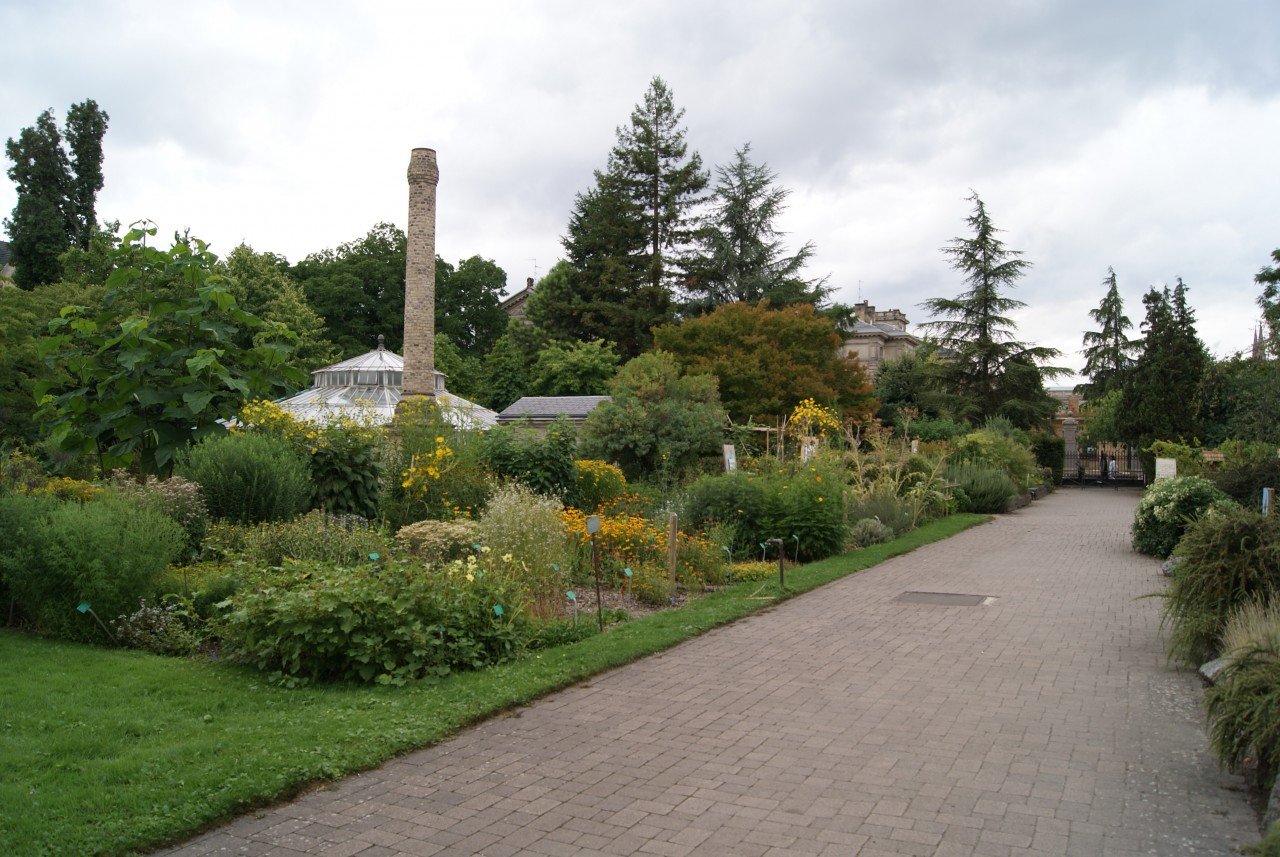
[(981, 488), (1243, 708), (810, 518), (739, 499), (1049, 450), (1006, 450), (438, 542), (387, 624), (1229, 557), (1246, 470), (544, 462), (879, 501), (248, 478), (1167, 508), (596, 483), (436, 471), (57, 555)]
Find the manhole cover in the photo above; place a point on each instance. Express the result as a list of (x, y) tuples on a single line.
[(945, 599)]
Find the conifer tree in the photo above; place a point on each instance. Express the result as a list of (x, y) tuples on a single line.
[(1159, 394), (1108, 352), (976, 329), (741, 255), (1269, 301)]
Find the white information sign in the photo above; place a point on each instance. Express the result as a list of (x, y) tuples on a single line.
[(1166, 468), (730, 458)]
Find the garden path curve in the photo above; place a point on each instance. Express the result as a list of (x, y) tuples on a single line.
[(841, 722)]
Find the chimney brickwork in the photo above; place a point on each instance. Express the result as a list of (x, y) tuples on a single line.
[(420, 276)]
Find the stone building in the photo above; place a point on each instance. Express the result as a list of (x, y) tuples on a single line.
[(878, 336), (516, 306)]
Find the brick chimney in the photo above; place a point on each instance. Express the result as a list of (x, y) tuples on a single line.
[(420, 277)]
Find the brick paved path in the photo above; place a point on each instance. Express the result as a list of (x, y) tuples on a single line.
[(842, 722)]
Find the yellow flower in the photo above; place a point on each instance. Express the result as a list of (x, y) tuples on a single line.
[(470, 577), (439, 440), (506, 557)]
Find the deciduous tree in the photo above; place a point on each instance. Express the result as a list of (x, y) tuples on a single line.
[(573, 369), (469, 303), (768, 360), (1269, 300), (57, 193)]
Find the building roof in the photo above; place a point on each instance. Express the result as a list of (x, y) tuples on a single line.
[(369, 387), (863, 328), (550, 407)]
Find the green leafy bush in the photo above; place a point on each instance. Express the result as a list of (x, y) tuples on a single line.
[(347, 474), (1246, 470), (178, 499), (544, 462), (700, 562), (168, 627), (739, 499), (878, 500), (811, 506), (933, 429), (1229, 557), (389, 624), (315, 537), (870, 531), (438, 542), (562, 632), (106, 552), (1167, 508), (248, 478), (203, 585), (755, 570), (1049, 450), (596, 483), (981, 488), (525, 532), (651, 584), (995, 447)]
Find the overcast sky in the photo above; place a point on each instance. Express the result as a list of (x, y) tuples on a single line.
[(1140, 135)]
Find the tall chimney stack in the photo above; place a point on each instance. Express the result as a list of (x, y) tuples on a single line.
[(420, 277)]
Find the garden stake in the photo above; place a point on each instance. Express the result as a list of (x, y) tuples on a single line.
[(593, 527), (85, 608), (796, 557)]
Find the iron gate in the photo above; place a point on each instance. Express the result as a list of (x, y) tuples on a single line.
[(1108, 464)]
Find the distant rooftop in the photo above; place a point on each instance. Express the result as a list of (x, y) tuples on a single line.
[(549, 407)]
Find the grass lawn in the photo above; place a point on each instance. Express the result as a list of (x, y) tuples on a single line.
[(110, 751)]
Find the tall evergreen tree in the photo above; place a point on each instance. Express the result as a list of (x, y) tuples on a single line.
[(56, 193), (975, 327), (1159, 393), (662, 180), (1108, 352), (741, 255)]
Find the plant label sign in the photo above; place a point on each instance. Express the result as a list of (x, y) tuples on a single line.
[(1166, 468), (730, 458)]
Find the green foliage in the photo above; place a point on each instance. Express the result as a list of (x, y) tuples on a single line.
[(440, 468), (651, 584), (1159, 399), (1108, 352), (1190, 459), (314, 537), (541, 461), (768, 360), (870, 531), (1246, 470), (387, 624), (347, 471), (1269, 301), (358, 289), (740, 256), (525, 540), (1049, 450), (994, 446), (1244, 711), (507, 371), (976, 327), (56, 555), (596, 483), (157, 365), (56, 193), (658, 422), (810, 518), (438, 542), (573, 369), (248, 478), (1240, 398), (1228, 557), (933, 429), (1269, 845), (178, 499), (980, 487), (465, 372), (262, 286), (738, 499), (1102, 418), (756, 570), (469, 303), (1167, 508), (879, 501), (164, 628), (24, 318)]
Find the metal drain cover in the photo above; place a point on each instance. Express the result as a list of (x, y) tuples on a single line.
[(945, 599)]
